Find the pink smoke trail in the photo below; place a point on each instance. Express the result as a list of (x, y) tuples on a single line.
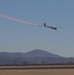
[(16, 20)]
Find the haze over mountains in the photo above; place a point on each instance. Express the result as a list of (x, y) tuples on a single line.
[(33, 57)]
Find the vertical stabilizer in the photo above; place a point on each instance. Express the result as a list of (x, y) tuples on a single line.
[(44, 24)]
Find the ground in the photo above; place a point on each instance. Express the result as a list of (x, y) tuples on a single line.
[(36, 70)]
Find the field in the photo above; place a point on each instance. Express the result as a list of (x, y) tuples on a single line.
[(37, 70)]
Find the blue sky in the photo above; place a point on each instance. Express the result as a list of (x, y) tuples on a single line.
[(20, 37)]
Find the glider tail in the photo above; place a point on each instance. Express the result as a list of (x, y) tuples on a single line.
[(44, 24)]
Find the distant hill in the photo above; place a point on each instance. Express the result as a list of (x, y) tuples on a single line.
[(41, 53), (33, 53), (36, 56)]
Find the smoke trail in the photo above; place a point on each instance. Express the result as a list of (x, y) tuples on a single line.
[(16, 20)]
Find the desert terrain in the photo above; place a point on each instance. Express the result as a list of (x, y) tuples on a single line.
[(37, 70)]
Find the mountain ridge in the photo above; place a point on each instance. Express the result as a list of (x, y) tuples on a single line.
[(36, 56), (41, 53), (32, 53)]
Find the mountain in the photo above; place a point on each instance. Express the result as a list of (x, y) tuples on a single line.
[(33, 53), (36, 56), (41, 53)]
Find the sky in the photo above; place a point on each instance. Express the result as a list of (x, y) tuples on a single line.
[(19, 30)]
